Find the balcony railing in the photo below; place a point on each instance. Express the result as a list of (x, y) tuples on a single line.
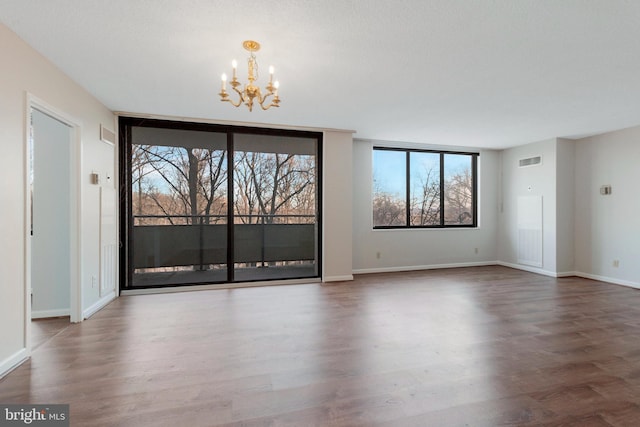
[(201, 240)]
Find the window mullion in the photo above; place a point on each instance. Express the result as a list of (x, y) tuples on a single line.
[(408, 189), (474, 188), (230, 204), (441, 189)]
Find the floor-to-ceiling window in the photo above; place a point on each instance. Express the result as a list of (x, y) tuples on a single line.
[(207, 203)]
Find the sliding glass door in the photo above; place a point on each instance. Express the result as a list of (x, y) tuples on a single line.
[(275, 207), (178, 206), (217, 204)]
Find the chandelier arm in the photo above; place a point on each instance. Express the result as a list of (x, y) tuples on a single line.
[(273, 104), (264, 99), (240, 94), (240, 97), (231, 102)]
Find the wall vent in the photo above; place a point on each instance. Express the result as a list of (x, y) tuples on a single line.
[(107, 135), (531, 161)]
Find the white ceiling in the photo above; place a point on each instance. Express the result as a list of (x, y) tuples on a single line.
[(481, 73)]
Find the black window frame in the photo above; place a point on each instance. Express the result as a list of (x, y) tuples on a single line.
[(125, 125), (474, 175)]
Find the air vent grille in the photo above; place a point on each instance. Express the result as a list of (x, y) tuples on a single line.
[(531, 161), (107, 135)]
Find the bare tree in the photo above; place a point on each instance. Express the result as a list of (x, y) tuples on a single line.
[(459, 197), (245, 198), (212, 185), (140, 169), (191, 183), (192, 180), (388, 210), (425, 200), (268, 184)]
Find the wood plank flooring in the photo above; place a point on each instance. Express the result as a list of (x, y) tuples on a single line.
[(486, 346), (42, 330)]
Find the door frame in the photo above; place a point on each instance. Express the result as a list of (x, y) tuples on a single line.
[(75, 304)]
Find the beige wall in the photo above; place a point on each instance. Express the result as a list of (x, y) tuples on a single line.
[(23, 71), (337, 206)]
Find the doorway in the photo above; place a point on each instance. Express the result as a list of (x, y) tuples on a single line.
[(51, 285), (50, 216)]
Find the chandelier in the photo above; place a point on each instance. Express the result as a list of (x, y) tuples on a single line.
[(251, 92)]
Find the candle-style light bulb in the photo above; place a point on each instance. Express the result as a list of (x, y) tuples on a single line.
[(276, 85), (224, 81), (271, 70), (234, 64)]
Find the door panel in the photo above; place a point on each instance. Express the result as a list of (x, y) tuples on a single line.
[(179, 206)]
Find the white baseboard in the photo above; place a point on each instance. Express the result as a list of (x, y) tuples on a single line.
[(422, 267), (98, 305), (344, 278), (530, 269), (628, 283), (13, 361), (41, 314), (567, 274), (606, 279)]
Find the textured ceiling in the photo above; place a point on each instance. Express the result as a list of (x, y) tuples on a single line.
[(483, 73)]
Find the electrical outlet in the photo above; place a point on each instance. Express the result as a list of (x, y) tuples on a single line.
[(94, 281), (378, 255), (616, 263), (476, 250)]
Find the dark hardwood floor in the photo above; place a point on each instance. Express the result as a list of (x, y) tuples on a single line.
[(487, 346), (42, 330)]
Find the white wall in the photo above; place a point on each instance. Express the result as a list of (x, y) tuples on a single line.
[(98, 157), (607, 227), (24, 70), (421, 248), (539, 180), (337, 206)]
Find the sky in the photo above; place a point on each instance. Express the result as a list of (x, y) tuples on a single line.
[(389, 168)]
